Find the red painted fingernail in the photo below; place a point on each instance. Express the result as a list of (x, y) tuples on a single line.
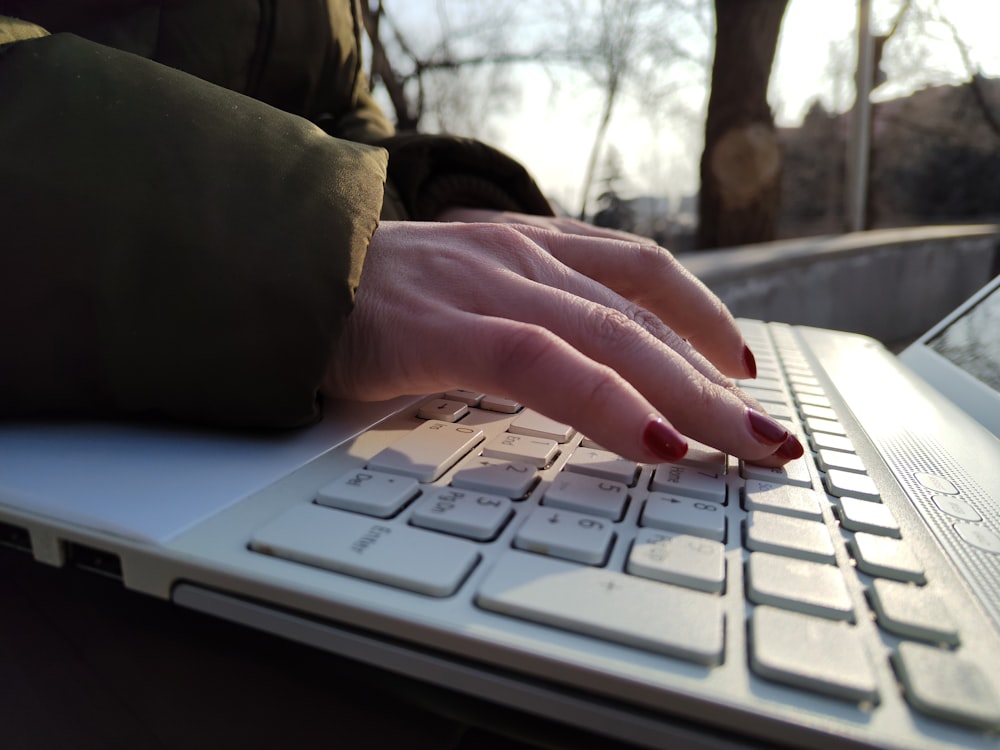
[(749, 363), (765, 428), (791, 448), (663, 440)]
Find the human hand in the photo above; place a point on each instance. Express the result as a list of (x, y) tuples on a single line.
[(613, 337)]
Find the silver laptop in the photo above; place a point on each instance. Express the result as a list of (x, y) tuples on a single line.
[(850, 598)]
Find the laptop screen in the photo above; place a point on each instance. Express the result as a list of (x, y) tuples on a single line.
[(972, 341), (960, 357)]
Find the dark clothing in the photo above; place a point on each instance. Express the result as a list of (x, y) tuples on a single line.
[(177, 236)]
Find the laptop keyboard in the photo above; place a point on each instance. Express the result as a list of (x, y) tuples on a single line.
[(523, 517)]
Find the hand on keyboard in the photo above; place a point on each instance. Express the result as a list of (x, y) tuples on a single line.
[(591, 331)]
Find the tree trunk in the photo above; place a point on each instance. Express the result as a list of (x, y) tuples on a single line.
[(741, 163)]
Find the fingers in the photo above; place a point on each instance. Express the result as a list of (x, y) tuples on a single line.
[(639, 270), (653, 278), (708, 409), (558, 380), (495, 311)]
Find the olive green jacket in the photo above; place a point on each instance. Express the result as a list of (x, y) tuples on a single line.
[(178, 238)]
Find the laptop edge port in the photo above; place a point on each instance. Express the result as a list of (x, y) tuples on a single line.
[(93, 560), (15, 537)]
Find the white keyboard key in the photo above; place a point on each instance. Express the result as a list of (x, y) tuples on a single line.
[(764, 395), (681, 559), (443, 409), (848, 484), (500, 404), (565, 534), (533, 424), (768, 371), (795, 472), (781, 411), (862, 515), (796, 379), (608, 605), (705, 457), (831, 459), (819, 412), (913, 612), (943, 684), (814, 424), (370, 492), (795, 364), (472, 398), (496, 475), (821, 655), (821, 440), (886, 558), (685, 515), (400, 556), (588, 495), (690, 481), (470, 514), (762, 382), (427, 452), (801, 389), (798, 585), (813, 399), (784, 499), (530, 450), (791, 537), (603, 464)]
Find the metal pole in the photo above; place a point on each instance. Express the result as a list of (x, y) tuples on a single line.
[(859, 138)]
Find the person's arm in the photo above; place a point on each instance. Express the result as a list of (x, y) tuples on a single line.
[(172, 248), (168, 247)]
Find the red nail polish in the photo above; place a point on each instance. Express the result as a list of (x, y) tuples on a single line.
[(765, 428), (663, 441), (791, 448), (749, 363)]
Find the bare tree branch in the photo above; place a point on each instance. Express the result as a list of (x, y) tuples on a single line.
[(382, 69)]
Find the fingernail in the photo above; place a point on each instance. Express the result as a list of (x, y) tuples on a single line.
[(663, 441), (765, 428), (791, 448), (749, 363)]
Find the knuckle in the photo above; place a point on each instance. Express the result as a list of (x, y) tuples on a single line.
[(609, 322), (656, 259), (603, 389), (509, 244), (720, 313), (614, 325), (703, 397), (521, 343), (650, 322)]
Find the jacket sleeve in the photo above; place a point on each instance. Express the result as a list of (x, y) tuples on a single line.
[(430, 173), (168, 247)]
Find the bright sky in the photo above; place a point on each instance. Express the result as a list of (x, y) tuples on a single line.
[(553, 133)]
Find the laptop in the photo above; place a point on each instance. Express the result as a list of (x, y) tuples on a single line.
[(851, 598)]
